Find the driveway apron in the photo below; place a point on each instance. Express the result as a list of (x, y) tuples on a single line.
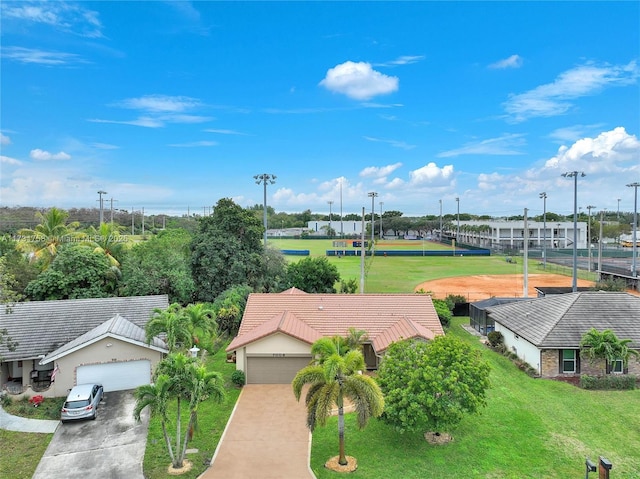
[(112, 446), (266, 437)]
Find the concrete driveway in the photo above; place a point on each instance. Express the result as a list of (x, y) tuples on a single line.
[(112, 446), (266, 437)]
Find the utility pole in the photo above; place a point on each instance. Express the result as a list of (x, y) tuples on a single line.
[(112, 200), (440, 220), (372, 195), (574, 175), (381, 230), (590, 207), (600, 245), (458, 216), (341, 222), (634, 238), (330, 203), (525, 262), (101, 192), (543, 195)]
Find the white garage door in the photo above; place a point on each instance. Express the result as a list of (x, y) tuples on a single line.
[(116, 376), (262, 370)]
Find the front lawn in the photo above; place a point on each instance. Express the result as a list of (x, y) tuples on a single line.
[(212, 419), (21, 453), (531, 428), (48, 409)]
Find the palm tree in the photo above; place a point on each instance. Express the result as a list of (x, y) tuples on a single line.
[(606, 346), (333, 377), (43, 241), (356, 338), (172, 324), (107, 240), (201, 322), (183, 379)]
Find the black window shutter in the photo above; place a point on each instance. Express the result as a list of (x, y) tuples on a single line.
[(560, 365), (577, 361)]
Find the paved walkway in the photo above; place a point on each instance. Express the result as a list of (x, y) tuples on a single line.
[(23, 424), (265, 437)]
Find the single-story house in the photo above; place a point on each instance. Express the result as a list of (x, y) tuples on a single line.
[(58, 344), (546, 332), (277, 330), (478, 318)]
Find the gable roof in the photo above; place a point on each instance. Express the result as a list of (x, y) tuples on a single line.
[(40, 327), (305, 316), (560, 321), (117, 328)]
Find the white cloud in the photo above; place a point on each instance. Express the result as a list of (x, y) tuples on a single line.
[(64, 16), (491, 181), (359, 81), (507, 144), (159, 103), (4, 139), (194, 144), (432, 174), (224, 132), (394, 143), (104, 146), (514, 61), (553, 98), (41, 155), (42, 57), (9, 161), (607, 153), (402, 60), (379, 171)]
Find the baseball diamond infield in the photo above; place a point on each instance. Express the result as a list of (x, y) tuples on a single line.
[(479, 287)]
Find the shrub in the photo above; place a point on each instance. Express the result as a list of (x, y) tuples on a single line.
[(495, 339), (452, 299), (613, 381), (444, 313), (238, 378), (5, 400)]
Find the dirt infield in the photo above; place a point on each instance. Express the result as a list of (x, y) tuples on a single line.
[(479, 287)]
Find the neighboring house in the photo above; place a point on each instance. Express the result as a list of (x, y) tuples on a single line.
[(543, 291), (546, 332), (63, 343), (478, 318), (277, 330)]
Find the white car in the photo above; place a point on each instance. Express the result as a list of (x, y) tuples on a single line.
[(82, 402)]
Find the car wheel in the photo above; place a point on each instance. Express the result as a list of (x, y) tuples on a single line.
[(95, 415)]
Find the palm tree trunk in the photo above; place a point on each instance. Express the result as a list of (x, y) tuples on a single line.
[(342, 459), (177, 461), (168, 441), (186, 436)]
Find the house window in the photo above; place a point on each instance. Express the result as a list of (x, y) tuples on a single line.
[(569, 361), (617, 367)]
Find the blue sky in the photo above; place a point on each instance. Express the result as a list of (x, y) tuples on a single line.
[(171, 106)]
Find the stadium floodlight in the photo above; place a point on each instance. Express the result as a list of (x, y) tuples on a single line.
[(265, 179), (574, 175)]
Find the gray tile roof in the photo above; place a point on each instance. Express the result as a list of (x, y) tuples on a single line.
[(116, 327), (40, 327), (560, 321)]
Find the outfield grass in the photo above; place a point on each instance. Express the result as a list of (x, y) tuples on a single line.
[(402, 274), (531, 428)]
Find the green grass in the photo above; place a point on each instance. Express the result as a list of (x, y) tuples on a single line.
[(531, 428), (212, 419), (21, 453)]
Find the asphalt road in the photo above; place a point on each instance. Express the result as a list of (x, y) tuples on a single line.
[(111, 447)]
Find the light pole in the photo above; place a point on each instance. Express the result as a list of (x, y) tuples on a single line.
[(265, 179), (330, 203), (458, 217), (590, 207), (440, 237), (373, 195), (574, 175), (543, 195), (618, 208), (101, 204), (634, 238), (381, 205)]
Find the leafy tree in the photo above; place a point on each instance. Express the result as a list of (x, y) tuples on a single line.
[(349, 286), (16, 269), (430, 386), (229, 308), (274, 275), (76, 272), (443, 311), (160, 266), (108, 240), (313, 275), (605, 346), (44, 240), (181, 379), (227, 251), (335, 376)]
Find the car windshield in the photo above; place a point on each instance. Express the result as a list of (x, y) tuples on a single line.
[(76, 404)]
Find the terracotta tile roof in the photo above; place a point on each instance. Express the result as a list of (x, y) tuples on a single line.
[(385, 317)]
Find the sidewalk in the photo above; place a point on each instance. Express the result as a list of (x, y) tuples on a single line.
[(23, 424)]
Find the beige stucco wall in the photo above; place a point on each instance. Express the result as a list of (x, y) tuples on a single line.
[(103, 351), (276, 343)]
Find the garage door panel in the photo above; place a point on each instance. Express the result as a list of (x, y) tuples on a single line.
[(116, 376), (269, 370)]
